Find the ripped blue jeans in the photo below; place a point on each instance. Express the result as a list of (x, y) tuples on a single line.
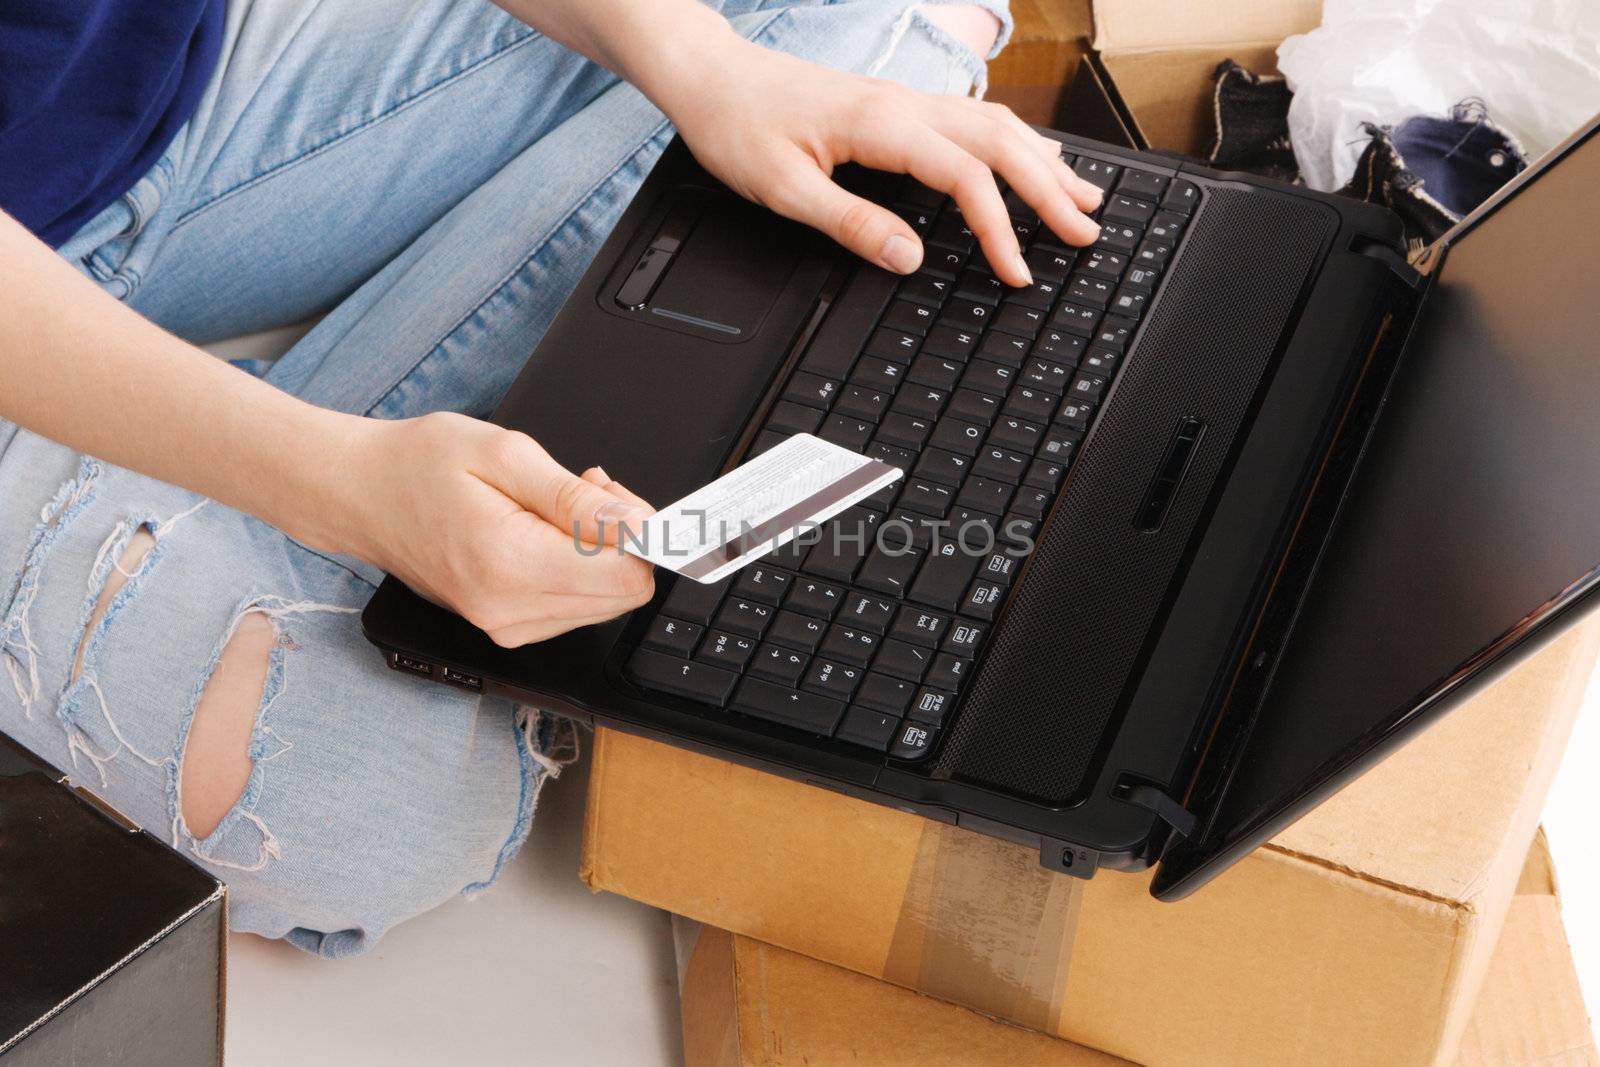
[(435, 179)]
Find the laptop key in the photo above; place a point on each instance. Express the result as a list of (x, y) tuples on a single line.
[(927, 498), (921, 402), (950, 342), (848, 645), (847, 432), (1049, 265), (1119, 237), (1045, 474), (1001, 464), (681, 677), (1098, 173), (973, 406), (947, 672), (726, 650), (944, 577), (778, 664), (1075, 414), (859, 402), (1031, 403), (981, 286), (867, 610), (1126, 209), (831, 679), (885, 693), (810, 390), (889, 571), (903, 315), (1143, 184), (926, 289), (964, 637), (935, 372), (1008, 349), (1016, 434), (956, 435), (746, 617), (789, 707), (919, 627), (1032, 503), (762, 582), (896, 346), (818, 599), (791, 418), (983, 599), (905, 431), (878, 374), (985, 495), (694, 601), (1181, 197), (793, 630), (1087, 387), (913, 741), (672, 635), (1020, 320), (1076, 318), (930, 706), (903, 660), (868, 728)]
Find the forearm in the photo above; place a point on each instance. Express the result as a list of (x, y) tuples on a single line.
[(666, 48), (82, 369)]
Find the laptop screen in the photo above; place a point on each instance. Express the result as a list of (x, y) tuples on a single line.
[(1476, 510)]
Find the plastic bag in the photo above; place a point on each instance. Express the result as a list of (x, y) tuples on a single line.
[(1534, 63)]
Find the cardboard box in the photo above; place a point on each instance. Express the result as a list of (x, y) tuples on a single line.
[(1374, 915), (112, 946), (748, 1004), (1032, 74), (1147, 83)]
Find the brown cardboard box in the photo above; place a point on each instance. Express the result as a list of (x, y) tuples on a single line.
[(1376, 914), (1032, 74), (1153, 60), (748, 1004)]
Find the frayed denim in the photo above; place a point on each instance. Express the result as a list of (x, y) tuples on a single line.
[(432, 178)]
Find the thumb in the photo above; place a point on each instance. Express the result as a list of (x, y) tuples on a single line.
[(573, 505), (874, 233)]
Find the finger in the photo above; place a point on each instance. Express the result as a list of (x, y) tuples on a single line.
[(874, 233), (939, 163), (1084, 193), (532, 633), (562, 566), (596, 475), (621, 491), (516, 465), (985, 132)]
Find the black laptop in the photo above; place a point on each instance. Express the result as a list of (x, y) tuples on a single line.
[(1243, 499)]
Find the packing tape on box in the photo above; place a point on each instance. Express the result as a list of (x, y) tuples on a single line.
[(982, 924)]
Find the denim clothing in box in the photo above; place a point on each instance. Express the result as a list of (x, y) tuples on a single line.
[(439, 175)]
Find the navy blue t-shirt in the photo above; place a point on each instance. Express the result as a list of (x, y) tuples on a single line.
[(91, 93)]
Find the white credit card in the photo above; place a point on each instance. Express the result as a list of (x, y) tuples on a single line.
[(755, 508)]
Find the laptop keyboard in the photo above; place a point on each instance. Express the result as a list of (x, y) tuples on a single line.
[(982, 394)]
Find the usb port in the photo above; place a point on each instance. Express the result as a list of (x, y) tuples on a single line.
[(467, 681), (415, 666)]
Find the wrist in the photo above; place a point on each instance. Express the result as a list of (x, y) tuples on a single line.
[(678, 66), (330, 459)]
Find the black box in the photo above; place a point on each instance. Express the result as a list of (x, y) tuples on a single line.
[(112, 946)]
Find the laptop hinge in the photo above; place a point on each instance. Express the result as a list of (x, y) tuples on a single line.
[(1402, 269), (1168, 810)]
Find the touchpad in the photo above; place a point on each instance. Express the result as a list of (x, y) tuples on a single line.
[(709, 266)]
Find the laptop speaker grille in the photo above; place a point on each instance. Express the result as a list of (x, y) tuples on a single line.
[(1076, 629)]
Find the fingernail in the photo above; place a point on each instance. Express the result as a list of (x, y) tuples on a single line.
[(1022, 265), (900, 255), (619, 511)]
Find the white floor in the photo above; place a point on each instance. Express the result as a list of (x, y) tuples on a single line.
[(539, 971)]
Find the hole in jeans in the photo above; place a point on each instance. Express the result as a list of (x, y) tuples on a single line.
[(973, 26), (216, 755), (139, 546)]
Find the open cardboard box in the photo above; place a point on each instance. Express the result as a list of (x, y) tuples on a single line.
[(748, 1004), (1376, 915), (1147, 82)]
